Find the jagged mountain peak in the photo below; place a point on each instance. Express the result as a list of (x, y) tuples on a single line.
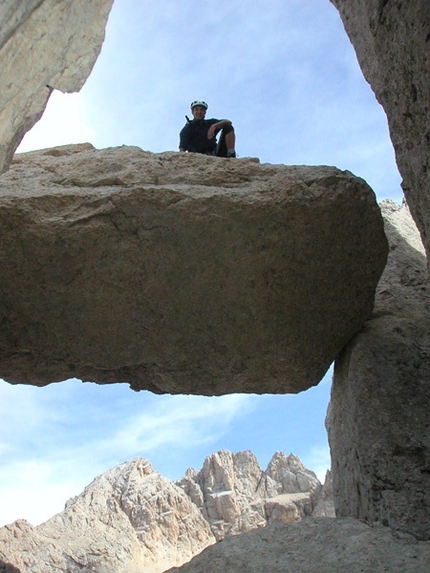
[(132, 518)]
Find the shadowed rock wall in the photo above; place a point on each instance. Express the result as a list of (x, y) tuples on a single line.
[(7, 568), (378, 423), (392, 42)]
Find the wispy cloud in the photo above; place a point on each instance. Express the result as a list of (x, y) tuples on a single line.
[(31, 490), (62, 447), (318, 459), (180, 422)]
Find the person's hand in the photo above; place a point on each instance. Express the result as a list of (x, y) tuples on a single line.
[(211, 131)]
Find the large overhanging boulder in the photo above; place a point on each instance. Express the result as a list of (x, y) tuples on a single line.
[(44, 44), (378, 421), (182, 273), (391, 39)]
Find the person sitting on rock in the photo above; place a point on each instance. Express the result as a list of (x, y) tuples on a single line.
[(199, 134)]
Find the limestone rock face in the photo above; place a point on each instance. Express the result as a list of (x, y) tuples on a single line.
[(182, 273), (128, 520), (324, 506), (391, 39), (131, 519), (314, 546), (235, 495), (44, 45), (378, 421)]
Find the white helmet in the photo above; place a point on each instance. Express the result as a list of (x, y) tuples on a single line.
[(199, 102)]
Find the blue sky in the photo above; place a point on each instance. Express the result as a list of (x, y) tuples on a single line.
[(285, 73)]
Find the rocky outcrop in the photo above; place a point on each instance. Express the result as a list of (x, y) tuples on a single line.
[(131, 519), (44, 45), (378, 423), (182, 273), (127, 520), (235, 495), (325, 506), (392, 42), (314, 546)]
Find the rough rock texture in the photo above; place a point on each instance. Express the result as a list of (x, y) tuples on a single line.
[(314, 546), (44, 45), (378, 421), (181, 273), (128, 520), (131, 519), (235, 495), (324, 506), (392, 42)]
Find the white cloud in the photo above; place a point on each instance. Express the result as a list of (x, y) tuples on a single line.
[(67, 439), (29, 490), (318, 460), (63, 122)]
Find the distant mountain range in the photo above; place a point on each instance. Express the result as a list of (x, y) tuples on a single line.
[(132, 519)]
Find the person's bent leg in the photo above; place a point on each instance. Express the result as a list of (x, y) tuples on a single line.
[(225, 147), (230, 140)]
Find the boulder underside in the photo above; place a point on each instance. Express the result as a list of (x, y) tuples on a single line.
[(182, 273)]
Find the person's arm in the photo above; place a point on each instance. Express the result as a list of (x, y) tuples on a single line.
[(215, 127)]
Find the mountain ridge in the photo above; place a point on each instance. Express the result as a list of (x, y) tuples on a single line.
[(131, 518)]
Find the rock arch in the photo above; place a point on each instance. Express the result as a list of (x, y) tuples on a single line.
[(391, 40)]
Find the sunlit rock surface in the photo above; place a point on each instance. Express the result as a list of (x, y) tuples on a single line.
[(392, 42), (131, 519), (182, 273), (235, 495), (378, 420), (44, 45)]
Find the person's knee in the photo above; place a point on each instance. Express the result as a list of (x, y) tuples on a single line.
[(230, 139)]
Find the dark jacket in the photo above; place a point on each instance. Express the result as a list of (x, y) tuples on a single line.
[(194, 136)]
